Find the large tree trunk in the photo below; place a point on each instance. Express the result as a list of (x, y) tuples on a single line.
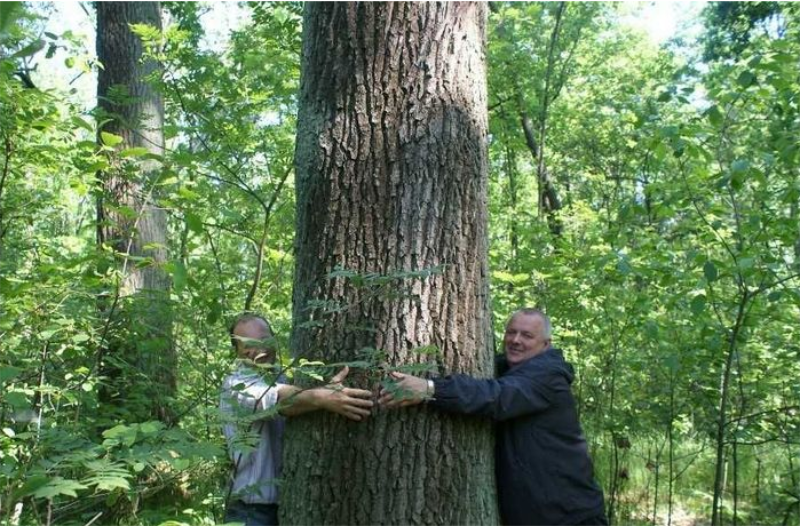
[(138, 356), (391, 170)]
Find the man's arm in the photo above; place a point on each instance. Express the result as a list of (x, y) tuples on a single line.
[(354, 404), (510, 396)]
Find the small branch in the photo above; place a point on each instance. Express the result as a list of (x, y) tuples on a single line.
[(260, 255)]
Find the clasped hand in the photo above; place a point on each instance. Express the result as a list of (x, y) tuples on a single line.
[(356, 404), (349, 402)]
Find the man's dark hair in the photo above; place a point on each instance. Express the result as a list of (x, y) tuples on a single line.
[(244, 318), (530, 311)]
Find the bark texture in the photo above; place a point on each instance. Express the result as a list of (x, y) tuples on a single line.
[(139, 356), (391, 176)]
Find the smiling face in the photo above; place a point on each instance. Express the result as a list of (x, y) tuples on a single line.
[(252, 341), (525, 337)]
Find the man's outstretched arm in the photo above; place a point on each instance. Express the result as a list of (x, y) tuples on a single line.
[(354, 404), (507, 397)]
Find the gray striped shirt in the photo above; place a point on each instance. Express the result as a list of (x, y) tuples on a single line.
[(257, 453)]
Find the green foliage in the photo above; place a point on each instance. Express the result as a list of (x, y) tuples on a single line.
[(676, 263)]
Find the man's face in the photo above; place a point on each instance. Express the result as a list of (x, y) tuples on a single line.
[(253, 341), (524, 338)]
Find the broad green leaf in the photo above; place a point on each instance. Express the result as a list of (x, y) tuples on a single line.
[(122, 434), (745, 263), (109, 139), (710, 271), (58, 486), (16, 399), (81, 337), (214, 312), (714, 116), (134, 152), (194, 222), (32, 483), (31, 49), (746, 79), (740, 165), (698, 304), (179, 275), (8, 372), (81, 123), (150, 428)]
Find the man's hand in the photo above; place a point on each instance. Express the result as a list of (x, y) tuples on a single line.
[(354, 404), (407, 390)]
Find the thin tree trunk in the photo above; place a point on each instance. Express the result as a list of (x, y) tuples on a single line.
[(391, 177), (671, 438), (722, 421), (139, 357), (655, 492), (8, 149), (549, 201), (513, 200)]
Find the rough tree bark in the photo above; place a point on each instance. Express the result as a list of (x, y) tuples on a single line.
[(391, 169), (138, 355)]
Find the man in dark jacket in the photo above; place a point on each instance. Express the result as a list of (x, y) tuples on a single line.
[(544, 474)]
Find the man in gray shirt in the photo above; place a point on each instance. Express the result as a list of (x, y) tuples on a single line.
[(248, 397)]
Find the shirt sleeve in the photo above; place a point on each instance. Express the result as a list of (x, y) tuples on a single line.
[(250, 392), (509, 396), (242, 398)]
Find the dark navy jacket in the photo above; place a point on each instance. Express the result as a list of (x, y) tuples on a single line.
[(544, 474)]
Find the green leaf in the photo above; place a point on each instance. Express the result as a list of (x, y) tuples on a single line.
[(714, 116), (775, 295), (179, 275), (151, 428), (194, 222), (710, 271), (58, 486), (110, 483), (134, 152), (188, 194), (746, 79), (109, 139), (745, 263), (80, 337), (31, 49), (121, 433), (8, 372), (214, 312), (32, 483), (698, 304), (9, 13), (740, 165), (81, 123), (47, 334), (16, 399), (102, 469)]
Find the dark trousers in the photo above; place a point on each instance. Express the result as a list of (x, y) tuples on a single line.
[(252, 514), (597, 520)]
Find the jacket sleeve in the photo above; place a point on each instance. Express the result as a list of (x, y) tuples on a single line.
[(509, 396)]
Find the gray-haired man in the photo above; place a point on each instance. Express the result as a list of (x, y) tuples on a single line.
[(543, 470)]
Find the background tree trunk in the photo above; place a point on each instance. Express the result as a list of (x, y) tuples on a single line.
[(139, 357), (391, 168)]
